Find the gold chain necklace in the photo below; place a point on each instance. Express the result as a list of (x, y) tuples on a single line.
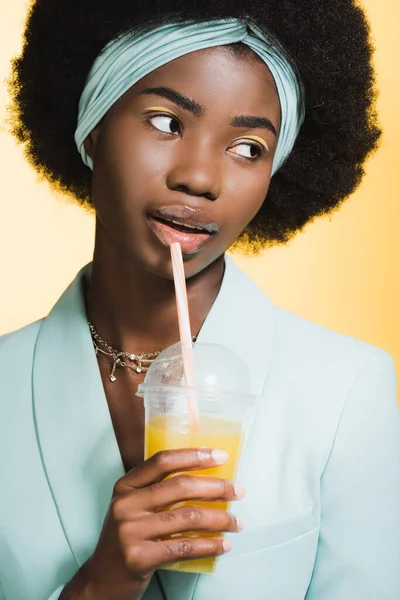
[(140, 363)]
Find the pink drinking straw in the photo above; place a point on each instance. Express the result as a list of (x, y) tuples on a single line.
[(184, 328)]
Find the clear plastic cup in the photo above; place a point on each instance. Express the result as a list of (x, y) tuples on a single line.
[(225, 409)]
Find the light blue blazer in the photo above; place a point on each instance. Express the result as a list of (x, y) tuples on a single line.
[(321, 467)]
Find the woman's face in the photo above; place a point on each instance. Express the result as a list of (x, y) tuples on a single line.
[(190, 144)]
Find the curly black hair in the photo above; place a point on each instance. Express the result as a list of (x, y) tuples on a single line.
[(328, 41)]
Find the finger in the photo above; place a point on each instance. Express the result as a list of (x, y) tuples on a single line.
[(182, 520), (187, 487), (191, 548), (148, 556), (167, 462)]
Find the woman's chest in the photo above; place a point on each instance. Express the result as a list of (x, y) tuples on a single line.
[(127, 415)]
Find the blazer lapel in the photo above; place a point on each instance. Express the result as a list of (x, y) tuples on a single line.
[(242, 319), (77, 440), (78, 445)]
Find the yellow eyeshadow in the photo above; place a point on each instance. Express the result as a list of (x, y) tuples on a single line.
[(161, 109), (256, 139)]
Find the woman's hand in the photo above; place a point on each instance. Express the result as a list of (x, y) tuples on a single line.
[(130, 547)]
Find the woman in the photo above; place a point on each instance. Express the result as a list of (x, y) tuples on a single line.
[(210, 124)]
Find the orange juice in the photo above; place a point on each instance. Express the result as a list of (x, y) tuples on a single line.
[(173, 431)]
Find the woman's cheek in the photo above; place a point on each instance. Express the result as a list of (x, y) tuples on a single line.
[(249, 201)]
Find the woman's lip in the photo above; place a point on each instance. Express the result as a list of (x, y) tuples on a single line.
[(186, 215), (190, 242)]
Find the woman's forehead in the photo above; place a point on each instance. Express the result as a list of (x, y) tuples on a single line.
[(216, 75), (218, 58)]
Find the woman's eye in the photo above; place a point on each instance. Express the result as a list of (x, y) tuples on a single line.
[(247, 150), (165, 124)]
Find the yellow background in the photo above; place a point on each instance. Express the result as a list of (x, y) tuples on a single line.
[(342, 273)]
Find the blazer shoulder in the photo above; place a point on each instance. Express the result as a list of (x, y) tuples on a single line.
[(19, 343), (317, 344)]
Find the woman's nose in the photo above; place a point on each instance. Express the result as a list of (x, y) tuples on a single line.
[(196, 174)]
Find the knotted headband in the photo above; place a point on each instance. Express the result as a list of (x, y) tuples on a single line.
[(130, 57)]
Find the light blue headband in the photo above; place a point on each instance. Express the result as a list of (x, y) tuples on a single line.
[(130, 57)]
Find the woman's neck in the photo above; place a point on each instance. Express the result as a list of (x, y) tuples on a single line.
[(135, 310)]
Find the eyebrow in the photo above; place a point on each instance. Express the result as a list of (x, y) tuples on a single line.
[(244, 121), (183, 101), (249, 122)]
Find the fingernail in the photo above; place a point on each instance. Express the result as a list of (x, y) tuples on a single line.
[(239, 490), (239, 524), (219, 456), (226, 546)]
